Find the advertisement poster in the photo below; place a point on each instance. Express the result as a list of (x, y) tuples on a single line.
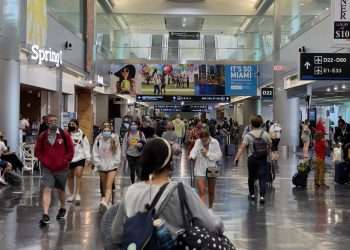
[(241, 80), (168, 79), (211, 80), (155, 79), (341, 22), (66, 117), (37, 22)]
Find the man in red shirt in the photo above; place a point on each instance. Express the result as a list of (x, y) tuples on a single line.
[(320, 151), (54, 149)]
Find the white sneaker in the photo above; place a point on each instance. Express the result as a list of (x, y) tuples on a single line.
[(2, 181), (26, 168), (71, 198), (77, 199)]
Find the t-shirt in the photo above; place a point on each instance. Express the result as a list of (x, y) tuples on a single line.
[(248, 139), (3, 147), (275, 131)]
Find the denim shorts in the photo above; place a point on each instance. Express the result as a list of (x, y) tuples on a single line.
[(54, 179)]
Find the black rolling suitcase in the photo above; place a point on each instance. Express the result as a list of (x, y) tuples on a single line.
[(342, 173), (230, 150), (271, 174), (300, 178)]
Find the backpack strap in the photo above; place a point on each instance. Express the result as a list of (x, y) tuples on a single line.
[(63, 135), (157, 197)]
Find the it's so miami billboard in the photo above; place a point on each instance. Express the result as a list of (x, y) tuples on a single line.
[(241, 80)]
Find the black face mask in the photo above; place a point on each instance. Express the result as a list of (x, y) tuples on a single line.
[(71, 128)]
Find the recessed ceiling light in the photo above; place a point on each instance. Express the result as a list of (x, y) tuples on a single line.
[(328, 89), (335, 88), (344, 86)]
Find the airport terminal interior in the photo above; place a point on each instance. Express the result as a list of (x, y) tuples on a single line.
[(174, 124)]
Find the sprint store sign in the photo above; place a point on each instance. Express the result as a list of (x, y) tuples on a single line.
[(47, 56)]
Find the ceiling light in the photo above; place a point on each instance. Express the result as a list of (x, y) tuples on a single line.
[(344, 86), (328, 89), (335, 88), (302, 4)]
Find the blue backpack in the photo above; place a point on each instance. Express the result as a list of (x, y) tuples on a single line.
[(139, 231)]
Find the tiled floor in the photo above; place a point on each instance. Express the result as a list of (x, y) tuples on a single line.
[(291, 218)]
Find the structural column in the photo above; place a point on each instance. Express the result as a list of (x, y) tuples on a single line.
[(285, 109), (10, 70)]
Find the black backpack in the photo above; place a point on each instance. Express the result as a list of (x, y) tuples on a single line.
[(139, 232), (260, 146)]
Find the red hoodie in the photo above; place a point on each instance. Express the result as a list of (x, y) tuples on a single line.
[(320, 143), (55, 157)]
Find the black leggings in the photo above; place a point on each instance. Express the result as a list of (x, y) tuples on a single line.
[(257, 169), (134, 168)]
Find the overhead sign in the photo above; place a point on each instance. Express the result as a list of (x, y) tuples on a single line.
[(341, 21), (162, 98), (241, 80), (267, 93), (49, 56), (181, 108), (324, 66), (184, 36)]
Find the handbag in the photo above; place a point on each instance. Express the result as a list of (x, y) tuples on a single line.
[(194, 235), (212, 172)]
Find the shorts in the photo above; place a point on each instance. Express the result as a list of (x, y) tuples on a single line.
[(80, 163), (274, 146), (54, 179)]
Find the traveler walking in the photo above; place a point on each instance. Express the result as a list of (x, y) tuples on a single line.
[(275, 135), (206, 152), (81, 158), (133, 143), (257, 142), (320, 151), (54, 149), (306, 138), (156, 171), (342, 136), (107, 159), (179, 128)]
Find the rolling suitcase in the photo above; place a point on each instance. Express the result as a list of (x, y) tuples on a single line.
[(230, 150), (300, 180), (271, 175), (342, 172)]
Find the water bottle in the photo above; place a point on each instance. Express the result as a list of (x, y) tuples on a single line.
[(164, 237)]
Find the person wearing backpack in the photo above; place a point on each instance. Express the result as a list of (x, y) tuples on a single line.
[(258, 143), (55, 150), (81, 158), (154, 203), (133, 143), (107, 160)]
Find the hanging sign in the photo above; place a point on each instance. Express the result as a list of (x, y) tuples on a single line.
[(48, 56), (267, 93), (341, 21)]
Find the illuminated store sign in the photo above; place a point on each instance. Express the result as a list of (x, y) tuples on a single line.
[(46, 56)]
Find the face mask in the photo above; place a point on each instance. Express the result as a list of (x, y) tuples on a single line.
[(53, 126), (107, 134), (133, 128), (127, 125), (71, 128)]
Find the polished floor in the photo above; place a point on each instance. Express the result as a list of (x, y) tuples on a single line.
[(291, 218)]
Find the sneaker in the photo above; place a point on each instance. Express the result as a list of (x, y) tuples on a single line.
[(103, 207), (61, 214), (45, 220), (2, 181), (262, 200), (252, 197), (26, 168), (71, 198), (324, 186), (77, 199)]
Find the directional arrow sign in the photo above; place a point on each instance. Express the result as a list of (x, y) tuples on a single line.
[(307, 65)]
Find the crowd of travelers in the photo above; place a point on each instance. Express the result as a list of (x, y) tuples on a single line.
[(147, 148)]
